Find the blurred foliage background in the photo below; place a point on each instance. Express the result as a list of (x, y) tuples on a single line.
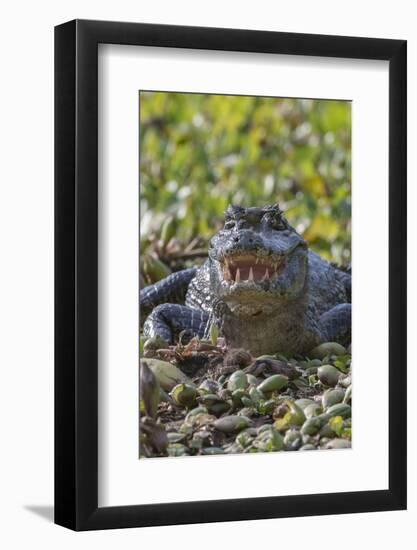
[(200, 152)]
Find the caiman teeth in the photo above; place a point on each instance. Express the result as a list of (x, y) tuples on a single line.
[(266, 276), (249, 268)]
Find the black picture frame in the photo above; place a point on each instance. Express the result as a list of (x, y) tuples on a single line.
[(76, 271)]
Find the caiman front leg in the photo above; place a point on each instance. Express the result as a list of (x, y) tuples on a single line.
[(168, 320), (171, 290), (336, 324)]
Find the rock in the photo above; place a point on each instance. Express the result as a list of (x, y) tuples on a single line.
[(340, 409), (338, 444), (168, 375), (331, 397), (303, 403), (269, 440), (232, 423), (209, 386), (311, 426), (312, 410), (326, 350), (184, 395), (328, 375), (273, 383), (237, 381)]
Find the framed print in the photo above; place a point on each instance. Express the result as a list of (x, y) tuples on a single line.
[(230, 274)]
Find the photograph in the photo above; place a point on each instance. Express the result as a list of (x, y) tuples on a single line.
[(245, 274)]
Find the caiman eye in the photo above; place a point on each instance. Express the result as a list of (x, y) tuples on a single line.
[(276, 223), (229, 224)]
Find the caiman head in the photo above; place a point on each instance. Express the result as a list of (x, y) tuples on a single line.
[(258, 261)]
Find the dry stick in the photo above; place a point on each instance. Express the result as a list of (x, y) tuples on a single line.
[(200, 253)]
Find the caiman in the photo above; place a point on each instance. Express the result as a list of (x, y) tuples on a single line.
[(261, 285)]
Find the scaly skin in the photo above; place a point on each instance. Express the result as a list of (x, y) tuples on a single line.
[(261, 286)]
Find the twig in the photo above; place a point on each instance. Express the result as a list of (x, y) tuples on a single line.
[(199, 253)]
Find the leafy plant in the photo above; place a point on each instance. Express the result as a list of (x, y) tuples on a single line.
[(200, 152)]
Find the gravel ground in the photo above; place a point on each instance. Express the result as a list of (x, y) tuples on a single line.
[(202, 398)]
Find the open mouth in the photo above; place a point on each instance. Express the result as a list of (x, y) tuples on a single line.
[(251, 268)]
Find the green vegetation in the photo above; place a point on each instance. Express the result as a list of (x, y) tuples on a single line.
[(201, 152)]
